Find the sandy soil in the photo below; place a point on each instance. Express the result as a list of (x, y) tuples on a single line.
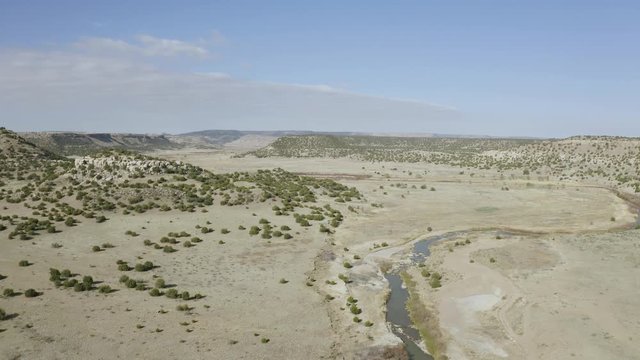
[(547, 297), (244, 296)]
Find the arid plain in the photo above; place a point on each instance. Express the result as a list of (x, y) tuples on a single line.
[(537, 267)]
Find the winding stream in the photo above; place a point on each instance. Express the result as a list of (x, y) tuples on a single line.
[(397, 314)]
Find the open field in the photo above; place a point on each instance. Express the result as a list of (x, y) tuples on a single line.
[(321, 293)]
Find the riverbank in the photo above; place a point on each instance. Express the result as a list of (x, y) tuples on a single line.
[(540, 297)]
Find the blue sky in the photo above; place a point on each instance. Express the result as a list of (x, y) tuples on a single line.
[(527, 68)]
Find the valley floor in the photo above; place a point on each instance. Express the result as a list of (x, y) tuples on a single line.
[(568, 288)]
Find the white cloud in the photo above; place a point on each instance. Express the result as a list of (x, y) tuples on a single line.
[(89, 91), (145, 45)]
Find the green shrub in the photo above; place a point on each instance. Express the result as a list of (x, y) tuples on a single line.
[(124, 278), (225, 231), (155, 292), (185, 295), (187, 244), (104, 289), (356, 319), (147, 242), (87, 281), (24, 263), (8, 292), (368, 323), (283, 281), (70, 283), (288, 236), (131, 283), (79, 287), (355, 309), (169, 249), (160, 283), (124, 267), (96, 248), (171, 294), (347, 265), (146, 266), (3, 314), (183, 307), (66, 273), (141, 287), (264, 340), (31, 293)]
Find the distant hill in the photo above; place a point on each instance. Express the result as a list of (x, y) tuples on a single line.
[(13, 146), (71, 143)]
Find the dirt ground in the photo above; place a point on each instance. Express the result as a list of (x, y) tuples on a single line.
[(550, 285)]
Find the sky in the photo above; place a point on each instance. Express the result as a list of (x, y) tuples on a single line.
[(503, 68)]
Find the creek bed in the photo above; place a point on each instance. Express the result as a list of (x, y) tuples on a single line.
[(397, 313)]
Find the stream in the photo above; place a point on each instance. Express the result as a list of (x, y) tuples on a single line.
[(397, 314)]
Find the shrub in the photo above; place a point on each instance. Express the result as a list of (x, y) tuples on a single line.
[(160, 284), (185, 295), (147, 242), (31, 293), (492, 260), (285, 228), (87, 281), (95, 248), (3, 314), (187, 244), (169, 249), (225, 231), (288, 236), (101, 219), (141, 287), (155, 292), (356, 319), (171, 294), (368, 323), (283, 281), (66, 273), (124, 278), (104, 289), (8, 292), (355, 309), (131, 283), (56, 245), (70, 283), (264, 340), (79, 287), (148, 265), (24, 263), (347, 265), (254, 230), (124, 267), (108, 246), (183, 307)]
